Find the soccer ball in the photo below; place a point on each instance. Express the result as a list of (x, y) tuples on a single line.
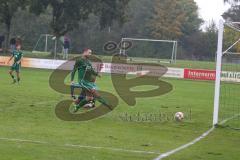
[(179, 116), (54, 38)]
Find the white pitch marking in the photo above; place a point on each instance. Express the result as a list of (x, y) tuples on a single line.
[(23, 140), (160, 157), (164, 155), (79, 146), (114, 149), (167, 154)]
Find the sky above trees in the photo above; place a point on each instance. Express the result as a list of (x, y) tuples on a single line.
[(211, 10)]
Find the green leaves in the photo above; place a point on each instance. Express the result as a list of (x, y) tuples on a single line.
[(231, 1), (66, 14), (7, 11), (173, 19), (233, 14)]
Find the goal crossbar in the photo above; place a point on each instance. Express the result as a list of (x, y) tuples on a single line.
[(150, 40), (174, 47), (232, 25)]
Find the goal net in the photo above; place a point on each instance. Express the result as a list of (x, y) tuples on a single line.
[(227, 91), (45, 43), (149, 50)]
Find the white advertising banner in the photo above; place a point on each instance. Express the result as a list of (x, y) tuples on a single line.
[(175, 73), (230, 76), (35, 63), (135, 69)]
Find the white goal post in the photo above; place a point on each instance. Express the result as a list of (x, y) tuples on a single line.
[(218, 72), (173, 57), (220, 68)]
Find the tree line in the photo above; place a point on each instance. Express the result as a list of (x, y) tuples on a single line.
[(92, 23)]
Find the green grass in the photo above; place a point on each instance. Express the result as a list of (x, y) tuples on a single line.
[(27, 111)]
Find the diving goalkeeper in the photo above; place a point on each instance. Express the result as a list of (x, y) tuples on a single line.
[(86, 81)]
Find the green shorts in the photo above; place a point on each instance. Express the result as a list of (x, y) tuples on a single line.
[(15, 67), (88, 85)]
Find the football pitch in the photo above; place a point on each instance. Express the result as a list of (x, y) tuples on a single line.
[(30, 128)]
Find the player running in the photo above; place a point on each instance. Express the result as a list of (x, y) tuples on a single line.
[(17, 56), (86, 80)]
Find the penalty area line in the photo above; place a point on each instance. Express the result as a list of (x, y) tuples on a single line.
[(79, 146)]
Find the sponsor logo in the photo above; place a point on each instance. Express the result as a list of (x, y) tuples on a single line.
[(199, 74)]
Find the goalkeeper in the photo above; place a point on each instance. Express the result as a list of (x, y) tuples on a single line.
[(86, 80)]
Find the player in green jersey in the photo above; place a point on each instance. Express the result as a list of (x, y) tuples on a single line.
[(81, 66), (86, 80), (17, 57)]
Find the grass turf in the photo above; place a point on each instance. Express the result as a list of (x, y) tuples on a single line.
[(27, 112)]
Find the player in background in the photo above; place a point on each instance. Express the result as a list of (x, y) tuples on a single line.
[(86, 80), (17, 56)]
